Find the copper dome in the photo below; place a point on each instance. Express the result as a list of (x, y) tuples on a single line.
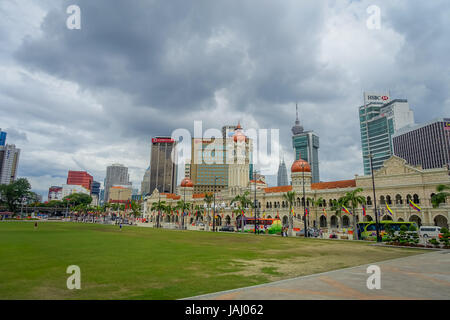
[(186, 182), (300, 165)]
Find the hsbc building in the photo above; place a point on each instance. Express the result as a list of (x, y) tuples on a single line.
[(380, 117)]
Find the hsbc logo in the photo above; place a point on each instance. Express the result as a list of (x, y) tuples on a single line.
[(377, 98)]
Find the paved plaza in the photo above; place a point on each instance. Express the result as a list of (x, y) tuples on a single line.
[(424, 276)]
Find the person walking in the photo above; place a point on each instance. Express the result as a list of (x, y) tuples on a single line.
[(120, 226), (35, 225)]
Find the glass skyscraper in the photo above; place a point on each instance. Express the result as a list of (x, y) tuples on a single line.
[(2, 137), (379, 119), (306, 146)]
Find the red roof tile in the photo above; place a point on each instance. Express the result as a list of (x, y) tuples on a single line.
[(334, 184)]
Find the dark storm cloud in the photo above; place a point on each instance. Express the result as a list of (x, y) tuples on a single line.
[(95, 96), (164, 55)]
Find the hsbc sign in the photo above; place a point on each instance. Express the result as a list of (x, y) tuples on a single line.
[(370, 97)]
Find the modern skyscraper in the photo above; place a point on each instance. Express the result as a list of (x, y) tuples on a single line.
[(80, 178), (427, 145), (116, 174), (379, 119), (163, 171), (145, 185), (208, 169), (2, 137), (218, 163), (282, 178), (306, 144), (9, 162)]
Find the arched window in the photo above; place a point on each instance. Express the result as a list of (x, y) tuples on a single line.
[(398, 199), (382, 201), (334, 222), (416, 199), (408, 197), (345, 222), (369, 201), (324, 202), (323, 222), (388, 200)]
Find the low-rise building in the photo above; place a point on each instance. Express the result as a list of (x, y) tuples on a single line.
[(396, 183)]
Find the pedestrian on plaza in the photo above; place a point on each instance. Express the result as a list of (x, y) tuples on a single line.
[(120, 226), (35, 225)]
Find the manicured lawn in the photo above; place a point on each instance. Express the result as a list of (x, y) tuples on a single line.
[(146, 263)]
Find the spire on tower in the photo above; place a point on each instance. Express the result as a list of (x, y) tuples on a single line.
[(297, 128)]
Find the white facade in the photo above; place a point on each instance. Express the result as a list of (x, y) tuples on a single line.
[(400, 112), (69, 189)]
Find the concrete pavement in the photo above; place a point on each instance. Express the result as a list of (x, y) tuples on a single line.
[(423, 276)]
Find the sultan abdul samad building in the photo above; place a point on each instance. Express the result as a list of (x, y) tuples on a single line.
[(396, 183)]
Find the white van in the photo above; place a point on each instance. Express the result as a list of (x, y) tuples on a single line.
[(429, 231)]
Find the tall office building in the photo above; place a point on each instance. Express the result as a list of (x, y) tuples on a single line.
[(145, 184), (217, 163), (427, 145), (380, 118), (2, 137), (282, 178), (116, 174), (80, 178), (306, 147), (163, 170), (9, 162), (208, 168)]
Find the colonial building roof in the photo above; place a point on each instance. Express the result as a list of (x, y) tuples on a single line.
[(278, 189), (171, 196), (334, 184)]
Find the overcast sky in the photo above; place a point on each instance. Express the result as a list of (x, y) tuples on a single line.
[(84, 99)]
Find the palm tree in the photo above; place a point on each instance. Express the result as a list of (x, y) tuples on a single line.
[(158, 206), (441, 196), (183, 207), (208, 200), (198, 211), (290, 198), (355, 200), (168, 210), (243, 202), (337, 207)]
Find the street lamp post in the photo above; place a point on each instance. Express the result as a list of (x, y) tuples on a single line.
[(184, 203), (304, 203), (377, 227), (214, 205), (256, 224)]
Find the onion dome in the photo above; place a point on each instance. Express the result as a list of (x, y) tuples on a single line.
[(300, 165), (186, 182), (238, 135)]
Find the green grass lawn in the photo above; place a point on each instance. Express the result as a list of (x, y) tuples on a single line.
[(147, 263)]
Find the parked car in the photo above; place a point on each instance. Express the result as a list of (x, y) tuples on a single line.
[(429, 231), (312, 232), (227, 228)]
